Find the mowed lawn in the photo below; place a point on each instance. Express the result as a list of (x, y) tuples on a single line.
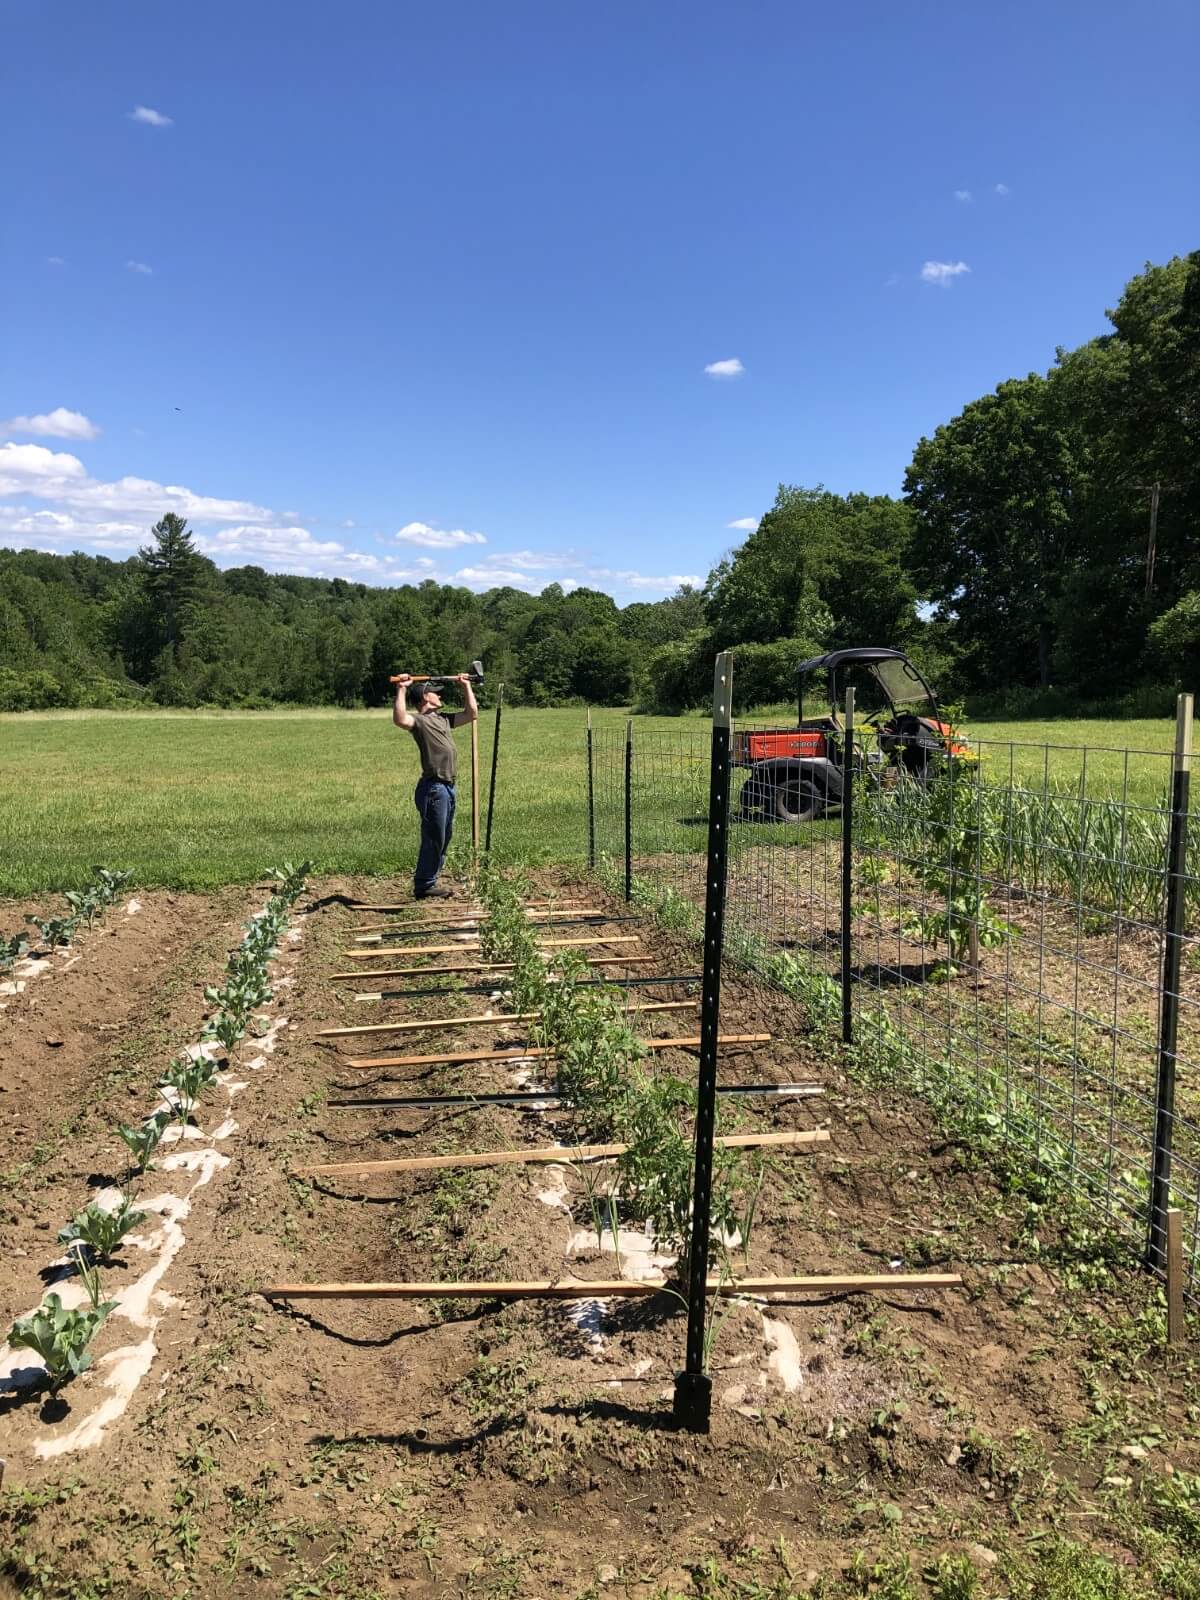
[(197, 799)]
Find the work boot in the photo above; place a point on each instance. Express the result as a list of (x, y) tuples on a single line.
[(436, 893)]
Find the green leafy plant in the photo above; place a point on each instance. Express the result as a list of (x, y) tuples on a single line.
[(59, 1337), (228, 1028), (101, 1231), (950, 865), (189, 1079), (144, 1140), (55, 931), (11, 951)]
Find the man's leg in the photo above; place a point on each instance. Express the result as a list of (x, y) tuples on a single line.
[(434, 803), (452, 803)]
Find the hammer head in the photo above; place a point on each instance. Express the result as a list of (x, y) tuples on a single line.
[(477, 670)]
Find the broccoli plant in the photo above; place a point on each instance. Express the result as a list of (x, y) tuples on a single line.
[(101, 1231), (55, 931), (60, 1337), (143, 1141), (11, 951), (86, 905), (108, 885), (189, 1079), (228, 1028)]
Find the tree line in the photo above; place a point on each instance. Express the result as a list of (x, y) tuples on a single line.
[(1045, 554)]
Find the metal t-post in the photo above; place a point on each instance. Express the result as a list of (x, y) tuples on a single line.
[(848, 870), (487, 839), (693, 1386), (629, 811), (591, 798), (1168, 1028)]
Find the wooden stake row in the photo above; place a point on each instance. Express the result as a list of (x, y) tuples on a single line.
[(619, 1288), (570, 1155), (460, 1057), (533, 1098), (480, 966), (455, 908), (546, 919), (463, 944), (419, 1025), (381, 995)]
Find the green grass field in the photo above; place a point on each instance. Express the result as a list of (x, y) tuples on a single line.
[(197, 799)]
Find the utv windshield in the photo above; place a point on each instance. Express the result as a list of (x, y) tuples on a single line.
[(904, 685), (880, 685)]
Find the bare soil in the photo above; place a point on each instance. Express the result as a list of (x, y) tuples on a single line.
[(449, 1448)]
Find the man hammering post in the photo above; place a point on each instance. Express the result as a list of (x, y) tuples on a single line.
[(432, 730)]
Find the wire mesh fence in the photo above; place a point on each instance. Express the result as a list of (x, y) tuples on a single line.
[(1008, 941)]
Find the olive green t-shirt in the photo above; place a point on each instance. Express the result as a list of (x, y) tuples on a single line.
[(439, 759)]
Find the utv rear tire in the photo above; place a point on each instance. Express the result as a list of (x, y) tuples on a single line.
[(797, 805)]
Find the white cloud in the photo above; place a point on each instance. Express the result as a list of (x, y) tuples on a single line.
[(498, 578), (55, 475), (640, 580), (60, 506), (943, 272), (55, 261), (139, 266), (732, 368), (1002, 188), (437, 538), (963, 195), (744, 524), (57, 424), (148, 115)]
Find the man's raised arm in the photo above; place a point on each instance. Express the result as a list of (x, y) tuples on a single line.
[(401, 715), (470, 712)]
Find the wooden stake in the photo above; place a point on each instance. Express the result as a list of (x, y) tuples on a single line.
[(416, 1025), (577, 1289), (467, 923), (493, 985), (538, 1098), (500, 966), (1176, 1321), (551, 1154), (475, 784), (460, 1058), (453, 910), (461, 947)]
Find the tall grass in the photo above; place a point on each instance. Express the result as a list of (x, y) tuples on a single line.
[(1103, 854)]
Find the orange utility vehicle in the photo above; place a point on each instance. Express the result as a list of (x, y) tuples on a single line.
[(796, 774)]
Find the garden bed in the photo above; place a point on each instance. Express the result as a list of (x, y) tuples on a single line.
[(454, 1448)]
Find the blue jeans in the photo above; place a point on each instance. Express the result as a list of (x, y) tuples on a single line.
[(435, 806)]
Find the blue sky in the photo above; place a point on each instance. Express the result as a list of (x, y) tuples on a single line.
[(392, 291)]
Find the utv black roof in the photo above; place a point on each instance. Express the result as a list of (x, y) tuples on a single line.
[(865, 652)]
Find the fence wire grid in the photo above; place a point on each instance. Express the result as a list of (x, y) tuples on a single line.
[(1008, 939)]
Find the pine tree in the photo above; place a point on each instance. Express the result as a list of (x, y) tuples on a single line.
[(173, 573)]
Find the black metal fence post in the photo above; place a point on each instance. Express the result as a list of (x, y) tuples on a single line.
[(629, 811), (591, 798), (693, 1386), (1168, 1028), (848, 870), (487, 840)]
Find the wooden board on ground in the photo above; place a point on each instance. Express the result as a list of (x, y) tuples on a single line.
[(569, 1155), (419, 1025), (480, 966), (578, 1288), (461, 947), (457, 1057)]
